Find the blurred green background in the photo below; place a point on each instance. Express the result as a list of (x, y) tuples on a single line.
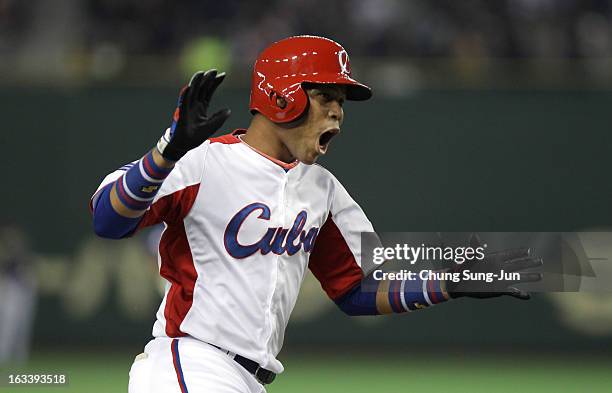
[(488, 115)]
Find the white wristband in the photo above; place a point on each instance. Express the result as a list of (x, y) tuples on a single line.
[(163, 141)]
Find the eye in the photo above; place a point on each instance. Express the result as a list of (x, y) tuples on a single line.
[(326, 96), (329, 96)]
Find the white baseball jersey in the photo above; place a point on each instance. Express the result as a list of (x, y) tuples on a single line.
[(241, 229)]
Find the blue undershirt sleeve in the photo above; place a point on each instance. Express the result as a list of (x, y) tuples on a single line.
[(107, 222)]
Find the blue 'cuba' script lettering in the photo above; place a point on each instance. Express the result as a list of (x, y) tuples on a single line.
[(277, 240)]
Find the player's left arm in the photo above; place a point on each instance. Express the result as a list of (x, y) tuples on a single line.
[(379, 297), (336, 263), (374, 297)]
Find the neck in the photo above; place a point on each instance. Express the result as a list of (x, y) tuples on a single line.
[(264, 136)]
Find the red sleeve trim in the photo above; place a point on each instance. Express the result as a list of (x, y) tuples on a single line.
[(333, 263)]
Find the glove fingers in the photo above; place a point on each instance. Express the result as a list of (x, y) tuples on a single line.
[(209, 77), (208, 81), (505, 255), (206, 94), (214, 122), (519, 294), (192, 88), (195, 78), (199, 85), (475, 240), (522, 264), (527, 277)]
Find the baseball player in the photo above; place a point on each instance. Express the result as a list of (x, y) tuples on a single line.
[(245, 215)]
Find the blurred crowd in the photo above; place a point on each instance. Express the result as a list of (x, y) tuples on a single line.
[(387, 29)]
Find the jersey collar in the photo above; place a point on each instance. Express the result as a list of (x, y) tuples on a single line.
[(286, 166)]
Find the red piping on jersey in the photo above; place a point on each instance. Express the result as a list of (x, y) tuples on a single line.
[(178, 268), (332, 261), (177, 265)]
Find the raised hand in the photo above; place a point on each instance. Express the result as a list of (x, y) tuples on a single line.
[(191, 126)]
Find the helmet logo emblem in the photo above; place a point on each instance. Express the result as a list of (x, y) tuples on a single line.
[(344, 62)]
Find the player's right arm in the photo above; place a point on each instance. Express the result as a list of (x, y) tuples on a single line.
[(123, 201)]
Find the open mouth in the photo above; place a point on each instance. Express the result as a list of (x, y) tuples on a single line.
[(326, 137)]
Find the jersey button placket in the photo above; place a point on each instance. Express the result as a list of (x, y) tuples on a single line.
[(272, 306), (283, 224)]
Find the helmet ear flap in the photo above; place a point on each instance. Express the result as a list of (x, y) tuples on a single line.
[(289, 107)]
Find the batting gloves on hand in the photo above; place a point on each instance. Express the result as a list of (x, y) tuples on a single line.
[(190, 124), (510, 261)]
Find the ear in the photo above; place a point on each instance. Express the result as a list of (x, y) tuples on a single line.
[(301, 118), (281, 102)]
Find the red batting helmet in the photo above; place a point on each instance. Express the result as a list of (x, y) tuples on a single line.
[(281, 68)]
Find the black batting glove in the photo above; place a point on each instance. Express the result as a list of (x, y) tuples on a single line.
[(516, 260), (190, 124)]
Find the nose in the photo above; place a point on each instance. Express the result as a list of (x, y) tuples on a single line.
[(336, 112)]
